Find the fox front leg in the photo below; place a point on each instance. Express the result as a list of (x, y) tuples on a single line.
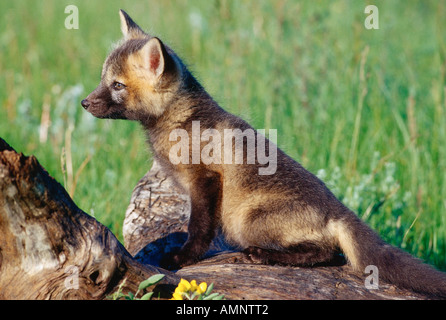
[(205, 206)]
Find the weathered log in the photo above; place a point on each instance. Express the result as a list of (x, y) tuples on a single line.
[(49, 248), (156, 219), (156, 223)]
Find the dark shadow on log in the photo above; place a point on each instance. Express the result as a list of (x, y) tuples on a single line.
[(154, 251)]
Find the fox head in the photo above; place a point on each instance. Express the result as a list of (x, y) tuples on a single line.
[(139, 77)]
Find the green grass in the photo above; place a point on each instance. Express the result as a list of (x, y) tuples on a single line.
[(365, 109)]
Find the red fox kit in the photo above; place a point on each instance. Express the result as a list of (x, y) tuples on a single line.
[(284, 215)]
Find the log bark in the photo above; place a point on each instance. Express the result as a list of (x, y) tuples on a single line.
[(156, 223), (50, 249)]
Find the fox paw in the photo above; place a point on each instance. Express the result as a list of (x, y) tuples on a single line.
[(255, 255), (175, 261)]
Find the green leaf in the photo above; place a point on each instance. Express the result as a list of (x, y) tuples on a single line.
[(211, 297), (194, 294), (116, 296), (147, 296), (151, 281), (209, 289)]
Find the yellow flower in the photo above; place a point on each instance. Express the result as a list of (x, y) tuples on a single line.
[(202, 288), (193, 286), (177, 296), (184, 286), (187, 289)]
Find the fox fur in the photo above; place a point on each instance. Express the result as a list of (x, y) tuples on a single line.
[(289, 217)]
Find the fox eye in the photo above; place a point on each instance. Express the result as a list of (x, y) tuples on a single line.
[(118, 86)]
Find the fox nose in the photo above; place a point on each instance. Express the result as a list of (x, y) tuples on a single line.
[(85, 103)]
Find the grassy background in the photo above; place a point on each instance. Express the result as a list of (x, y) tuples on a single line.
[(364, 109)]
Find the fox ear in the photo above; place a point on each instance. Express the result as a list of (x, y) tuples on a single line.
[(129, 28), (156, 57)]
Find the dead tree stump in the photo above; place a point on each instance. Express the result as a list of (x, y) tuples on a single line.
[(49, 248)]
